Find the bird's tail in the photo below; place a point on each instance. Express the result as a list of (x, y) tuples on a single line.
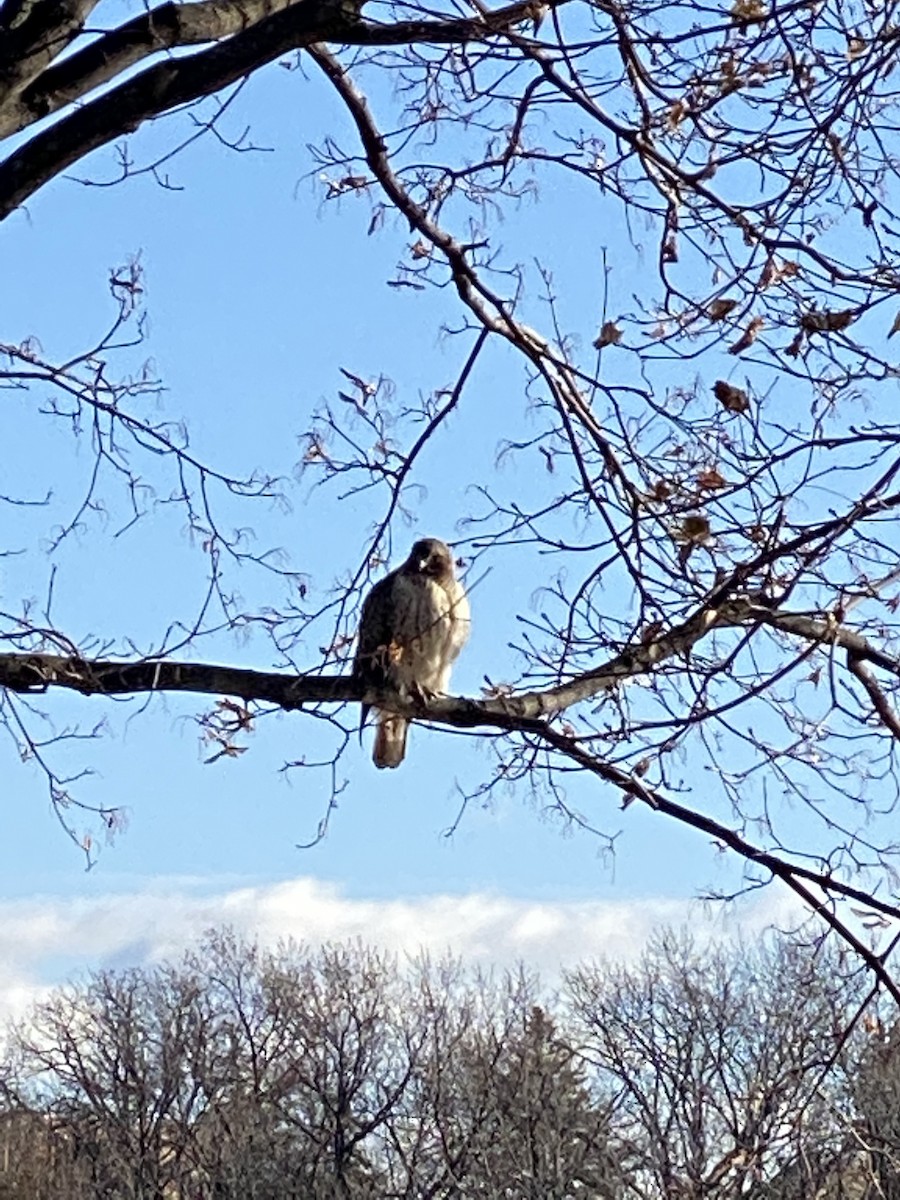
[(390, 740)]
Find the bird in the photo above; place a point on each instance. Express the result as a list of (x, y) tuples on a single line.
[(413, 624)]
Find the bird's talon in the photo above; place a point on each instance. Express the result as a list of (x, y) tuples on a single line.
[(421, 694)]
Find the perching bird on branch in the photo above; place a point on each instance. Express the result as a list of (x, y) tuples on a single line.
[(414, 623)]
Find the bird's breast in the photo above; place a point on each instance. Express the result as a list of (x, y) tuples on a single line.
[(433, 628)]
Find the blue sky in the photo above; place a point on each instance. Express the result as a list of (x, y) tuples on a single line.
[(257, 294)]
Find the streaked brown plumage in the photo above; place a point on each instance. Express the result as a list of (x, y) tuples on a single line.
[(414, 623)]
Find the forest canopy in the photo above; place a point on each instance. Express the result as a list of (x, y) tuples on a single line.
[(246, 1074)]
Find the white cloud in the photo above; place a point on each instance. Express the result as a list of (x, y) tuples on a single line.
[(46, 939)]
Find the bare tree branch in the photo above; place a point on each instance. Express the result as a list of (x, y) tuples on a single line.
[(248, 36), (38, 672)]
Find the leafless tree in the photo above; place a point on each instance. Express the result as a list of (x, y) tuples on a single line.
[(732, 1073), (498, 1103), (241, 1144), (877, 1096), (310, 1074), (119, 1065), (711, 534), (699, 1072)]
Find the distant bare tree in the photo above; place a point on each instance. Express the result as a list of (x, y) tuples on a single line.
[(39, 1158), (876, 1094), (249, 1075), (352, 1043), (732, 1072), (240, 1144), (499, 1103), (120, 1065)]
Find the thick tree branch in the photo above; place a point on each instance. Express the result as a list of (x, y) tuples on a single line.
[(166, 85), (32, 35), (38, 672), (636, 789), (156, 90), (26, 672), (171, 25), (165, 27), (879, 700), (830, 632)]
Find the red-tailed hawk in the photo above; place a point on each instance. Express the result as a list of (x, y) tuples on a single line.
[(414, 623)]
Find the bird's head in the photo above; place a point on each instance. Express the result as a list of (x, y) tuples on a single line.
[(430, 557)]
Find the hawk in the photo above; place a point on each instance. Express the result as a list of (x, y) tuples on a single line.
[(414, 623)]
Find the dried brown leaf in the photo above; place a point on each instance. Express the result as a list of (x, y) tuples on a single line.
[(718, 310), (748, 337), (733, 398), (694, 530), (660, 492), (676, 115), (610, 335), (776, 271), (748, 10), (827, 321), (710, 479)]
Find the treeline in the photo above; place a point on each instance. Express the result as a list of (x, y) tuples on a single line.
[(245, 1074)]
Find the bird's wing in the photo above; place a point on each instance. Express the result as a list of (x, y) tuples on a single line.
[(377, 629)]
